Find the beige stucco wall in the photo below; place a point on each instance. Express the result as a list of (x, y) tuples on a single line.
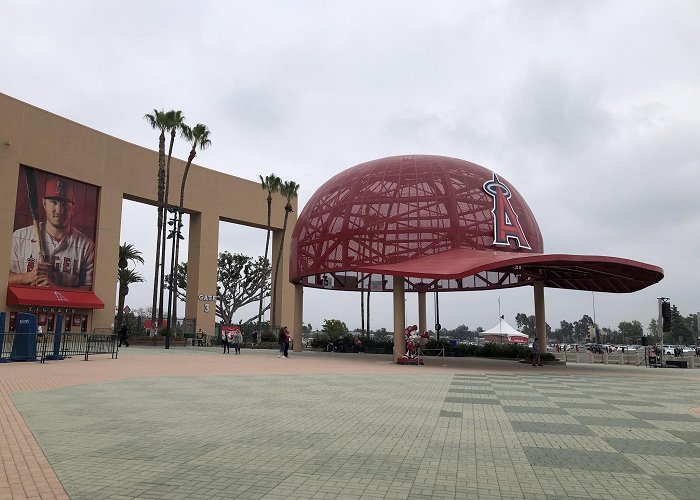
[(39, 139)]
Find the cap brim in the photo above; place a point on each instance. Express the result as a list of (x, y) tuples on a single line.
[(575, 272)]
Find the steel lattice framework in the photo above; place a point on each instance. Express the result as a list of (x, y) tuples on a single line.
[(430, 219)]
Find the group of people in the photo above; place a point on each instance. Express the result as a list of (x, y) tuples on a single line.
[(229, 338)]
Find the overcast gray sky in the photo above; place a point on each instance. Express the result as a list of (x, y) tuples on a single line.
[(591, 109)]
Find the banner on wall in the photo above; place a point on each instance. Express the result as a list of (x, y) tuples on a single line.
[(230, 330), (52, 256), (53, 239)]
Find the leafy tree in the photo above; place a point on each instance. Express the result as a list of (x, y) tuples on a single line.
[(462, 332), (125, 277), (240, 280), (271, 184), (565, 332), (581, 331), (680, 328), (632, 330), (611, 336), (653, 329), (289, 190), (334, 328), (526, 324)]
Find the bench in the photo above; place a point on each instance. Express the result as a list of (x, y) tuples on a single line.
[(677, 363)]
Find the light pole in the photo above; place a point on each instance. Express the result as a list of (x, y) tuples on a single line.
[(437, 317)]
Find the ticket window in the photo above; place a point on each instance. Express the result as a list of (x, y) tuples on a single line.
[(67, 322), (83, 325), (50, 322), (13, 319)]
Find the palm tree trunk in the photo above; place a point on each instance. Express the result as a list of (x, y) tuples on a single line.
[(173, 278), (161, 196), (154, 309), (172, 313), (277, 265), (267, 249), (165, 228), (170, 290)]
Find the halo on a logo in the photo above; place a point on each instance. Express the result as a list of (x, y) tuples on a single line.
[(506, 225)]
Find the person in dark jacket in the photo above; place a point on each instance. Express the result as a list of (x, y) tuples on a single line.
[(281, 342), (123, 334)]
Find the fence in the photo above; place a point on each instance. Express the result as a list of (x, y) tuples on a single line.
[(41, 347)]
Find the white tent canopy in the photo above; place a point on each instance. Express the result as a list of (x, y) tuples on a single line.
[(503, 328)]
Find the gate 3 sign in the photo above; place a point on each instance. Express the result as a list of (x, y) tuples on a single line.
[(206, 298)]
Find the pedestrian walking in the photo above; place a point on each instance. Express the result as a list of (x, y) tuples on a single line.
[(281, 341), (536, 354), (123, 335), (254, 339), (237, 340)]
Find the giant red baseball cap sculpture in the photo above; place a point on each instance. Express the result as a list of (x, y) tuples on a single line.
[(442, 224)]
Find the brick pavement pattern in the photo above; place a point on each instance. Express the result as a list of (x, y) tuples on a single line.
[(193, 423)]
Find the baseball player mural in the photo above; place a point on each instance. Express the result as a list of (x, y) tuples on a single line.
[(52, 243)]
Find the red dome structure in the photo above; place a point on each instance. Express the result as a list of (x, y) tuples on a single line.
[(442, 224)]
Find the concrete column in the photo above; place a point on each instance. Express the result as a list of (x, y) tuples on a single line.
[(540, 321), (298, 317), (284, 305), (202, 259), (422, 323), (605, 358), (108, 228), (399, 318)]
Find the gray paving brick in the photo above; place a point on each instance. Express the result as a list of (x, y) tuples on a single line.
[(410, 435)]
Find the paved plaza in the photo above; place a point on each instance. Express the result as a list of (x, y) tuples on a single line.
[(194, 423)]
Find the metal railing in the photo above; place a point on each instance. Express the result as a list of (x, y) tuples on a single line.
[(48, 346)]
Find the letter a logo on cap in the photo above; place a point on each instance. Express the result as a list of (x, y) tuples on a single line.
[(505, 221), (59, 189)]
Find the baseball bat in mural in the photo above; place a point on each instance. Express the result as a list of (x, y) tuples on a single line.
[(34, 208)]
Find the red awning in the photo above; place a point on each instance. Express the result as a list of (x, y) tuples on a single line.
[(50, 297)]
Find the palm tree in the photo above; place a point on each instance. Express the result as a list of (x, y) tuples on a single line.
[(271, 184), (127, 252), (157, 121), (199, 137), (173, 122), (289, 190)]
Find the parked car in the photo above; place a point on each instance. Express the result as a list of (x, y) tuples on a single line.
[(670, 350)]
